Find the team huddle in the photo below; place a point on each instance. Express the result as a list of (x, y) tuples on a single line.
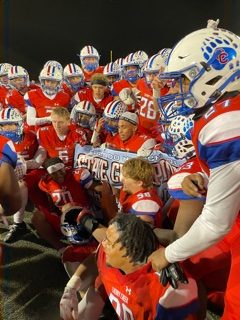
[(131, 246)]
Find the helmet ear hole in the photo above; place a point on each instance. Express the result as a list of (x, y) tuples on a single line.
[(214, 80)]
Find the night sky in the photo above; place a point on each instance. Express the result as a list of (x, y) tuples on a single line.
[(36, 31)]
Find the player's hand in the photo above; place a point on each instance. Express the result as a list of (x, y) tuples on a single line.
[(158, 83), (87, 220), (193, 185), (127, 97), (69, 304), (100, 124), (158, 260)]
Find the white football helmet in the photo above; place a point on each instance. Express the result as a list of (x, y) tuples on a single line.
[(16, 72), (89, 52), (53, 74), (142, 57), (11, 116), (112, 71), (113, 111), (165, 53), (132, 60), (209, 59), (4, 67), (83, 108), (74, 232), (154, 65), (119, 62), (73, 70), (53, 63), (177, 138)]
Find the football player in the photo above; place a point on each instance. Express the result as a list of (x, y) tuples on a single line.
[(148, 114), (129, 139), (73, 79), (106, 127), (40, 102), (83, 116), (20, 82), (127, 280), (4, 82), (10, 196), (30, 157), (89, 58), (137, 195), (206, 63), (59, 139), (98, 94)]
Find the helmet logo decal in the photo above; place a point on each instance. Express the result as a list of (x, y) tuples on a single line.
[(221, 57)]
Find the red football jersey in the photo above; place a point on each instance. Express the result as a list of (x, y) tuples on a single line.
[(64, 149), (148, 116), (140, 294), (15, 99), (44, 105), (87, 94), (131, 145), (3, 94), (88, 74), (28, 146), (68, 90), (117, 86), (144, 202), (70, 191), (7, 151), (175, 182)]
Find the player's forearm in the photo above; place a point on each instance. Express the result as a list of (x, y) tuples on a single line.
[(38, 159), (32, 119)]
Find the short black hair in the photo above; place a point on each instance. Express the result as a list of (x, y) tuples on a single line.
[(51, 161), (136, 236)]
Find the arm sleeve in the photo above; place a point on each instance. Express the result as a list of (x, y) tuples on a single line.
[(38, 159), (32, 120), (218, 215)]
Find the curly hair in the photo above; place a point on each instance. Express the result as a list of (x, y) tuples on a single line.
[(136, 236)]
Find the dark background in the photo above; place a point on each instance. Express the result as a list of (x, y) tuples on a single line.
[(33, 31)]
